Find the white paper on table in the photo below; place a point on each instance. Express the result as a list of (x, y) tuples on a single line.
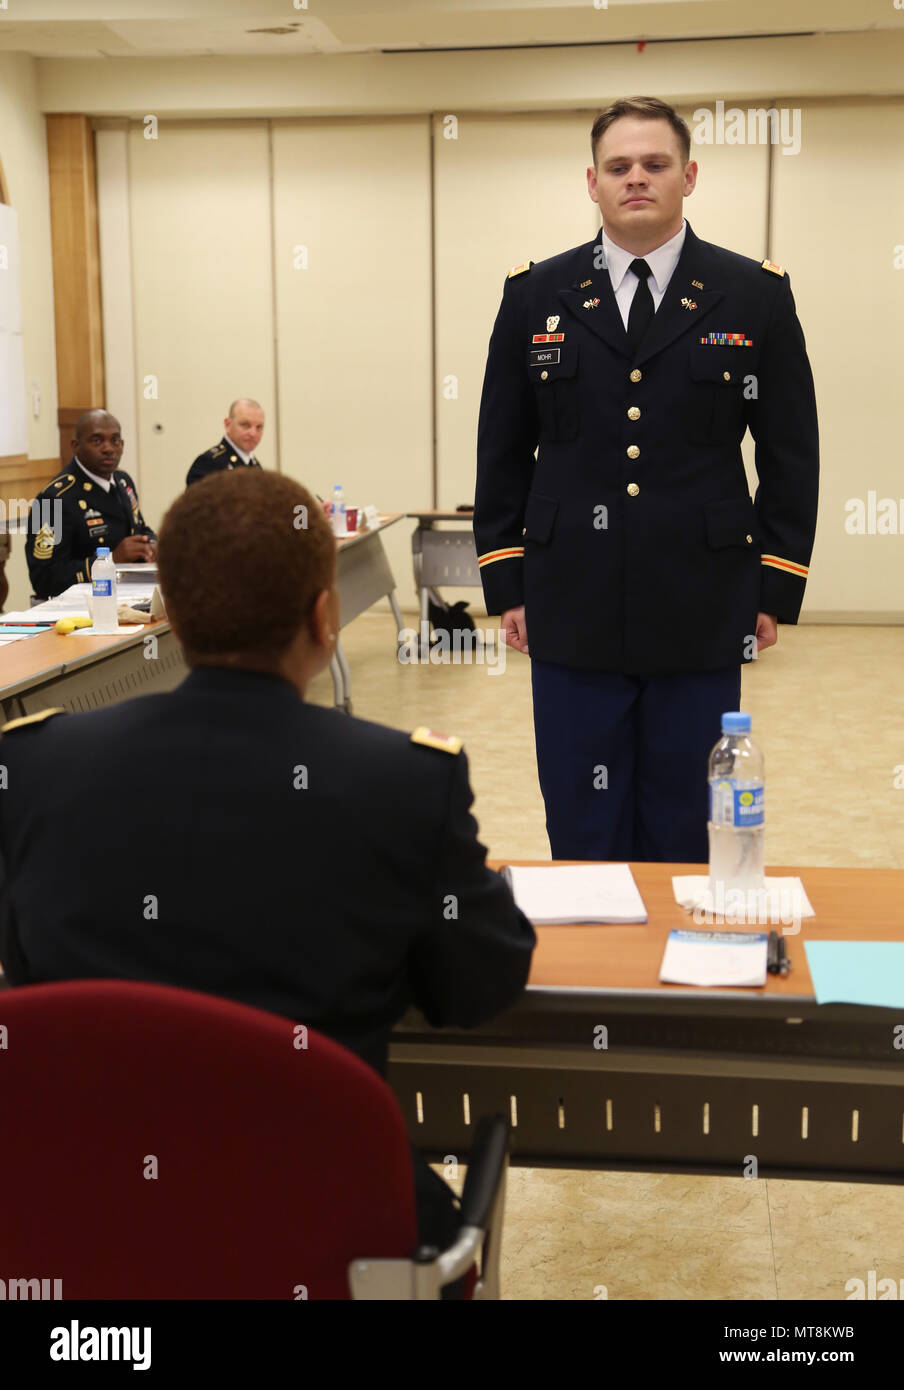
[(553, 894), (780, 900), (712, 958), (122, 631)]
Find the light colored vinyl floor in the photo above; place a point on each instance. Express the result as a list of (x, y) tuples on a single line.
[(828, 711)]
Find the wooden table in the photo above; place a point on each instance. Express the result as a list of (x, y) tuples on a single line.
[(690, 1080), (83, 673)]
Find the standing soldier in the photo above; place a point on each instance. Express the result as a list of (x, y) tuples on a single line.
[(629, 553)]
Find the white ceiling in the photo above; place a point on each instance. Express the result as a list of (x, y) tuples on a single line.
[(196, 28)]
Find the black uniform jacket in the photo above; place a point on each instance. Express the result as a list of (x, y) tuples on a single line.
[(228, 837), (632, 540), (219, 459), (70, 519)]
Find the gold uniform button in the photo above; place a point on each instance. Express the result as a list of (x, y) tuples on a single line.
[(632, 451), (634, 413), (750, 540), (633, 489), (543, 376), (726, 376), (524, 531), (637, 374)]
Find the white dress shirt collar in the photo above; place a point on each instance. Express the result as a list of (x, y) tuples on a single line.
[(662, 260), (105, 483), (231, 444)]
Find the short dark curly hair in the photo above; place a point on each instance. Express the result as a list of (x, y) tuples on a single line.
[(242, 557)]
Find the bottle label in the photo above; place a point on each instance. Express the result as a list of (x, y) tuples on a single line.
[(102, 588), (730, 804)]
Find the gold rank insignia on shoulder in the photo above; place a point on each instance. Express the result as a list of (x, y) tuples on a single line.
[(446, 743), (63, 483), (43, 546), (776, 269), (217, 450), (521, 269), (27, 719)]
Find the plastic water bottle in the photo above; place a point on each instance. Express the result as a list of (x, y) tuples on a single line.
[(103, 591), (736, 810), (339, 528)]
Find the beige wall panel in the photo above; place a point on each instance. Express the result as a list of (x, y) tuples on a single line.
[(201, 255), (355, 327), (23, 150), (513, 188), (838, 216)]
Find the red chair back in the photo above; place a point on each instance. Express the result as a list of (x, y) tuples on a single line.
[(159, 1143)]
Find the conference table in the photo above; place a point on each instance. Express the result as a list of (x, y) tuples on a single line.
[(80, 673), (733, 1081)]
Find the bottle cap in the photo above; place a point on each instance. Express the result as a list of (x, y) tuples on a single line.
[(102, 550), (735, 723)]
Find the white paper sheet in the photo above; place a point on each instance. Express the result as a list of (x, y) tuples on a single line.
[(782, 900), (713, 958)]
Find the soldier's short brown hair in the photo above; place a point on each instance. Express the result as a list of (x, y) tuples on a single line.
[(647, 109), (243, 556)]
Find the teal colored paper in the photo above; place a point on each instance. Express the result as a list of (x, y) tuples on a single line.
[(857, 972)]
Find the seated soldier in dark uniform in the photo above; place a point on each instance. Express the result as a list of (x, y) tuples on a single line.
[(92, 503), (242, 431), (276, 852)]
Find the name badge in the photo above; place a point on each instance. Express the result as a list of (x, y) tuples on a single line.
[(542, 357)]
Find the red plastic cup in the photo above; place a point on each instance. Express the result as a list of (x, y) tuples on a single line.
[(351, 519)]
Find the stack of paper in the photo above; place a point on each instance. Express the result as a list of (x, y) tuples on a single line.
[(551, 894)]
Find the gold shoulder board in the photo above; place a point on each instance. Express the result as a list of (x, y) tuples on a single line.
[(776, 269), (63, 483), (521, 269), (38, 718), (446, 743)]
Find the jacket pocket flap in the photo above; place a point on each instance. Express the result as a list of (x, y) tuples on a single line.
[(539, 517), (731, 523), (722, 366)]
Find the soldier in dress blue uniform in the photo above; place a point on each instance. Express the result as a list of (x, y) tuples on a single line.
[(278, 853), (242, 431), (628, 558), (92, 503)]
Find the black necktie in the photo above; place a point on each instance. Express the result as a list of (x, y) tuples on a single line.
[(642, 310)]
